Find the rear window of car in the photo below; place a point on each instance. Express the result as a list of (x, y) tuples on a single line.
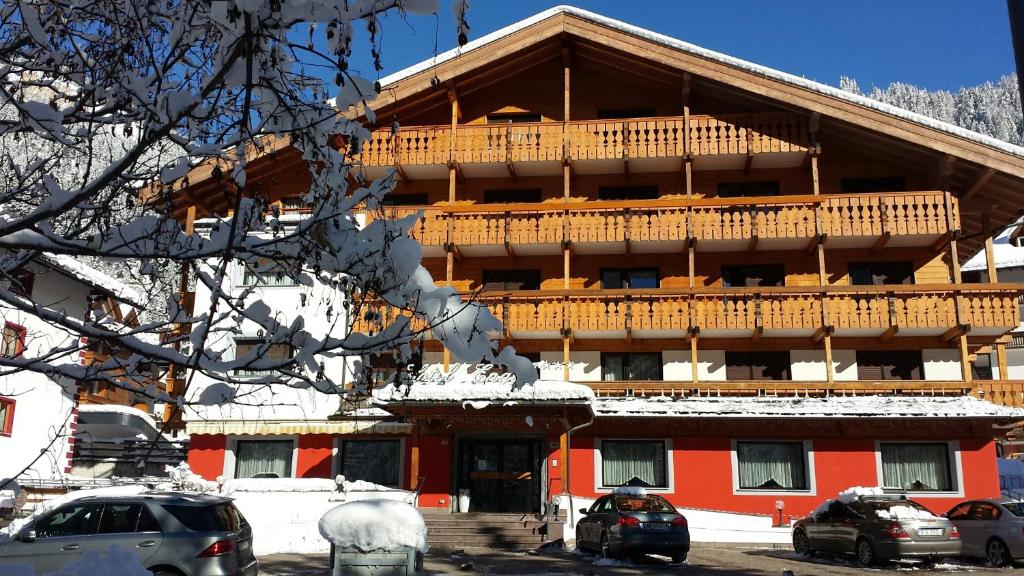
[(216, 518), (1015, 508), (643, 504), (890, 504)]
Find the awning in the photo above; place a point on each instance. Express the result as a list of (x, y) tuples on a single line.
[(292, 427)]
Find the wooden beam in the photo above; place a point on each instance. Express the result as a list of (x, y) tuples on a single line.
[(829, 369), (990, 256), (940, 243), (889, 333), (965, 358), (881, 241), (694, 335), (979, 182), (752, 245), (943, 170), (566, 77), (955, 332), (1001, 360)]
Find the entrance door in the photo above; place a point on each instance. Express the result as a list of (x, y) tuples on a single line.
[(501, 475)]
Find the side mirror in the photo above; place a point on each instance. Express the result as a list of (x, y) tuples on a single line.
[(584, 511), (27, 536)]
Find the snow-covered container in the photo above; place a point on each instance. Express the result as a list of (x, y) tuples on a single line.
[(375, 538)]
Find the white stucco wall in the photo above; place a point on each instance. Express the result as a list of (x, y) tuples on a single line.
[(1015, 364), (941, 364), (584, 366), (711, 365), (844, 365), (676, 365), (808, 365)]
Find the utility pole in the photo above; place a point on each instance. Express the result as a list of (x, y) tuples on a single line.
[(1015, 8)]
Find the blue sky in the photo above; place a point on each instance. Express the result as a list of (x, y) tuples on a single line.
[(931, 43)]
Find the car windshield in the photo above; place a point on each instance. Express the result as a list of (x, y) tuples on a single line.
[(643, 504), (1015, 508), (215, 518)]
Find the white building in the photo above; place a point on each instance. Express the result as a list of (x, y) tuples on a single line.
[(39, 414)]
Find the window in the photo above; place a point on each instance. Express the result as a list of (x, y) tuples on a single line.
[(624, 460), (916, 466), (120, 518), (881, 273), (511, 279), (981, 368), (22, 283), (757, 366), (986, 511), (404, 200), (377, 461), (885, 184), (960, 511), (771, 466), (630, 366), (263, 459), (6, 416), (890, 365), (215, 518), (627, 193), (617, 278), (266, 273), (506, 117), (619, 113), (14, 340), (277, 352), (760, 275), (516, 195), (747, 189), (295, 204), (382, 367), (147, 523), (71, 520)]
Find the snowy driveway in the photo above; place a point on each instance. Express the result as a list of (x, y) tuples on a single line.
[(704, 561)]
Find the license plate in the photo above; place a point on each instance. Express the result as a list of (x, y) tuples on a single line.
[(656, 525), (930, 531)]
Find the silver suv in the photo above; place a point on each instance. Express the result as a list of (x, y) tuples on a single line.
[(174, 534)]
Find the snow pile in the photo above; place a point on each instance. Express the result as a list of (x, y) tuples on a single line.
[(294, 485), (183, 478), (12, 530), (116, 561), (904, 513), (372, 525), (477, 393), (847, 496), (805, 407), (81, 270)]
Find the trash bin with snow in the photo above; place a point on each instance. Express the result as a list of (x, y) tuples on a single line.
[(375, 538)]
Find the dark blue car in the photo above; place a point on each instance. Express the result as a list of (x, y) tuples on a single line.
[(633, 525)]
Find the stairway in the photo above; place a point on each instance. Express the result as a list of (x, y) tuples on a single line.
[(487, 530)]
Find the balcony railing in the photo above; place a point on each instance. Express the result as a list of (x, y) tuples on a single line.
[(784, 388), (743, 312), (588, 140), (847, 220)]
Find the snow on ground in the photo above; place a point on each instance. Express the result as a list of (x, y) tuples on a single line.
[(374, 525), (10, 531)]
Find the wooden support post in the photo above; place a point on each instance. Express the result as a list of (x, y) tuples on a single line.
[(990, 259), (691, 251), (566, 78), (1001, 360), (830, 375), (693, 356), (965, 358), (565, 356), (565, 265)]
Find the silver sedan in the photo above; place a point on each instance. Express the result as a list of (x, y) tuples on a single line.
[(991, 529)]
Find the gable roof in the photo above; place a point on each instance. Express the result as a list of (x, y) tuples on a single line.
[(695, 50)]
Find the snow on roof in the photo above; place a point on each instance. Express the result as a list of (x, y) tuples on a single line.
[(674, 43), (1004, 253), (804, 407), (482, 394), (87, 274)]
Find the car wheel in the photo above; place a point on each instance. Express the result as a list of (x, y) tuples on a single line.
[(996, 553), (679, 558), (606, 549), (865, 553), (801, 544)]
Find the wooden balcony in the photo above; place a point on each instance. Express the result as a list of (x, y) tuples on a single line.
[(731, 141), (663, 225), (851, 311), (790, 388)]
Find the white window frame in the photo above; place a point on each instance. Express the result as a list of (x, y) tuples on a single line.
[(599, 486), (245, 339), (812, 480), (232, 450), (238, 279), (956, 468), (336, 457)]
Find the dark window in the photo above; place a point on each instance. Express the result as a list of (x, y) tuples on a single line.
[(618, 113), (147, 523), (71, 520), (881, 273), (986, 511), (6, 416), (626, 460), (759, 275), (119, 518), (960, 511), (506, 117), (630, 366), (981, 368), (404, 200), (757, 366), (627, 193), (23, 282), (266, 273), (916, 466), (747, 189), (886, 184), (531, 356), (771, 465), (276, 352), (216, 518), (528, 279), (515, 195), (889, 365), (971, 277), (640, 278), (382, 367), (376, 461), (13, 340)]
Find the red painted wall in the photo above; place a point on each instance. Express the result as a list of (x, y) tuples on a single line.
[(315, 453), (553, 451), (206, 454), (435, 467)]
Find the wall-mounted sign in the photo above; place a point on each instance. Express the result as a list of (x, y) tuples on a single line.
[(475, 374)]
